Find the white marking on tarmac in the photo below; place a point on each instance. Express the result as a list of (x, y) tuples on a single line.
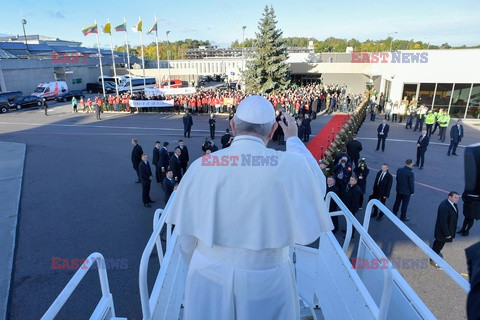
[(410, 141), (98, 126)]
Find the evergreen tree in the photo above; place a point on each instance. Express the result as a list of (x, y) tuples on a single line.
[(267, 70)]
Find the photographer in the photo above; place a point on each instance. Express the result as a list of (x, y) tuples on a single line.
[(209, 145), (343, 172)]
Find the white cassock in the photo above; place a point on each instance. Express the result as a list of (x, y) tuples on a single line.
[(239, 221)]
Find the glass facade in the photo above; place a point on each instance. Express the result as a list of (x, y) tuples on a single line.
[(409, 90), (425, 95), (462, 100)]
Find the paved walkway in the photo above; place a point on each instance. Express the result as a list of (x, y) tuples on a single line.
[(12, 159)]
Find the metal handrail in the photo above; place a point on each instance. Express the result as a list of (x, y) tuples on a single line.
[(158, 241), (452, 273), (143, 270), (382, 311), (73, 283)]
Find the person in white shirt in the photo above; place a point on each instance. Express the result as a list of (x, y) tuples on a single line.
[(235, 230)]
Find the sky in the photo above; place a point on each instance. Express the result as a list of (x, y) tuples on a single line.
[(221, 21)]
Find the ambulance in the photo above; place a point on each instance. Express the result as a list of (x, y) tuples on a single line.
[(50, 90)]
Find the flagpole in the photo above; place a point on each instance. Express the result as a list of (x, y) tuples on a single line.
[(158, 54), (128, 56), (143, 58), (113, 59), (100, 60)]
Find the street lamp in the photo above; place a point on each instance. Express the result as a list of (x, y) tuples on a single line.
[(391, 41), (24, 22), (168, 59), (243, 48)]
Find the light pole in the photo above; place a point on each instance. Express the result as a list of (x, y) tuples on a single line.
[(243, 48), (391, 41), (168, 59), (24, 22)]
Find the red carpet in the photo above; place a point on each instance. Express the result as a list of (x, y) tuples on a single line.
[(324, 138)]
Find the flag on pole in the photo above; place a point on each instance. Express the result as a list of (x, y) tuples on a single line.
[(138, 27), (107, 28), (153, 28), (121, 27), (90, 29)]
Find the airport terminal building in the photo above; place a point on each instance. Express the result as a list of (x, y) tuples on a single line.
[(445, 79)]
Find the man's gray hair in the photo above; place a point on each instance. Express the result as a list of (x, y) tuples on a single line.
[(261, 130)]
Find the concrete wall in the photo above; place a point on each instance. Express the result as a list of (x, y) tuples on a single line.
[(356, 83)]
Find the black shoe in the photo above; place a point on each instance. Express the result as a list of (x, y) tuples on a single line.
[(373, 215), (465, 233), (405, 219), (383, 150), (415, 165), (376, 149), (148, 205), (454, 154), (434, 264), (460, 231), (448, 154), (421, 168), (138, 181), (380, 218)]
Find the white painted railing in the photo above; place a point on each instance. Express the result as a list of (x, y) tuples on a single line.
[(104, 309), (416, 240)]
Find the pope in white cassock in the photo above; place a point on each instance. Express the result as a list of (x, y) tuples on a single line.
[(238, 210)]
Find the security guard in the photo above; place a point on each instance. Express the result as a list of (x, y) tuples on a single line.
[(443, 122), (430, 121)]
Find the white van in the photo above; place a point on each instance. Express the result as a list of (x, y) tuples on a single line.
[(50, 90)]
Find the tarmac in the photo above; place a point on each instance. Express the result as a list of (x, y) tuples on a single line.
[(12, 159)]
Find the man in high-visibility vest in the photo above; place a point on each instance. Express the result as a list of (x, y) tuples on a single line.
[(437, 117), (430, 121), (443, 122)]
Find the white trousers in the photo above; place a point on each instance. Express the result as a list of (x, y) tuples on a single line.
[(230, 283)]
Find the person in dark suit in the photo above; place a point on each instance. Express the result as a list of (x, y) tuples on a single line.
[(175, 165), (184, 158), (156, 161), (146, 178), (301, 129), (163, 161), (187, 124), (353, 149), (168, 184), (456, 135), (473, 299), (308, 129), (45, 106), (405, 189), (351, 197), (381, 189), (446, 224), (422, 144), (136, 157), (470, 212), (331, 187), (226, 139), (382, 134), (211, 124)]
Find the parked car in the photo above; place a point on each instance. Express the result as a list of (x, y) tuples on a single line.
[(67, 96), (4, 106), (10, 96), (26, 102), (96, 87)]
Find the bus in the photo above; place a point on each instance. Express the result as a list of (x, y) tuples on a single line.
[(137, 84), (120, 80)]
